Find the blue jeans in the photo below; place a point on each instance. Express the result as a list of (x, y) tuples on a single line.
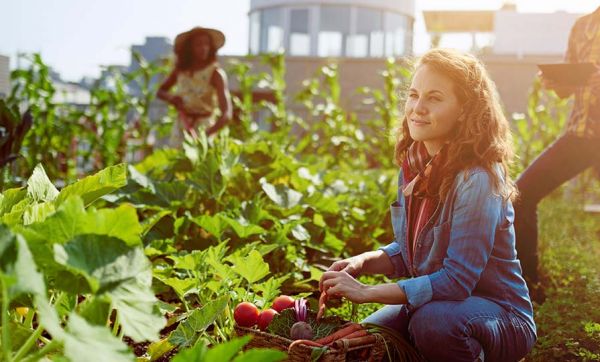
[(460, 330), (567, 157)]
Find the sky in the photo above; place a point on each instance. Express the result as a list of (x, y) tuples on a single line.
[(77, 37)]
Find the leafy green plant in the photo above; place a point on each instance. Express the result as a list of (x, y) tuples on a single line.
[(540, 126), (89, 261)]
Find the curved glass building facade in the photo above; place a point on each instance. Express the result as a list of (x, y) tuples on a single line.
[(332, 28)]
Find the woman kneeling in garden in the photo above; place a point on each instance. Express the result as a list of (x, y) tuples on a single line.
[(465, 299)]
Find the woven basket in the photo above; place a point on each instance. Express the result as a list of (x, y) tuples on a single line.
[(300, 353)]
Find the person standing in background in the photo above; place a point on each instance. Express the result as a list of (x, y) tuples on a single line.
[(572, 153), (200, 84)]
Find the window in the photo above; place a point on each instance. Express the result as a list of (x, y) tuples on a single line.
[(271, 30), (255, 32), (299, 34), (368, 40), (398, 33), (334, 29)]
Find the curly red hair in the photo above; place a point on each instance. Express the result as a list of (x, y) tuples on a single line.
[(483, 138)]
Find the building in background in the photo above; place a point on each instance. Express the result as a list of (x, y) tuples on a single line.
[(4, 76), (355, 34), (155, 48), (332, 28), (510, 43)]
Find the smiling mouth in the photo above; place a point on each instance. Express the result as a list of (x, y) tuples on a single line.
[(419, 122)]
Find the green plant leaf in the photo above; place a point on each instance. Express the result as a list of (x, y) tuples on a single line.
[(270, 288), (207, 177), (83, 338), (103, 261), (333, 243), (300, 233), (212, 223), (16, 266), (198, 321), (282, 195), (39, 187), (71, 219), (97, 185), (261, 355), (137, 308), (38, 212), (159, 348), (10, 198), (226, 351), (95, 310), (243, 229), (197, 354), (252, 268), (189, 261), (201, 318), (149, 222), (181, 287), (121, 272)]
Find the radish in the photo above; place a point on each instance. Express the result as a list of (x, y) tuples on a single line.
[(301, 329)]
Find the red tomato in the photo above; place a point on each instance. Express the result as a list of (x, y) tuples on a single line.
[(265, 318), (246, 314), (283, 302)]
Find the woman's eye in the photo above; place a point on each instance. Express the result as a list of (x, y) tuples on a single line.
[(435, 99), (413, 95)]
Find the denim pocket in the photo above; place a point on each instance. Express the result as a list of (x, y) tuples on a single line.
[(398, 220), (435, 246)]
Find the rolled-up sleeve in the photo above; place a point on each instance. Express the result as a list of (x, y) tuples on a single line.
[(475, 216), (393, 252)]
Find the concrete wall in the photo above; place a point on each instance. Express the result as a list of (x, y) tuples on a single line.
[(526, 34), (514, 76), (4, 75)]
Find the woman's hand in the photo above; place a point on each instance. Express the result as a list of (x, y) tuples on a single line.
[(341, 284), (352, 266)]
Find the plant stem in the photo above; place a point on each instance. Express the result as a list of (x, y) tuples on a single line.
[(29, 318), (116, 324), (50, 347), (219, 332), (6, 347), (29, 343)]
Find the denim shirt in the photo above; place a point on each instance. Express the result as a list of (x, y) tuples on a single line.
[(466, 248)]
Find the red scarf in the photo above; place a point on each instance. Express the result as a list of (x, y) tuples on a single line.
[(421, 181)]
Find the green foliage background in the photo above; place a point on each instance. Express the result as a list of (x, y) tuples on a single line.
[(157, 253)]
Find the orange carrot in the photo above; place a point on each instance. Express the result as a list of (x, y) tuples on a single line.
[(322, 301), (355, 334), (340, 333), (353, 342), (306, 342)]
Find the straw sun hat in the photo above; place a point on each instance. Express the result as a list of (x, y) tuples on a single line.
[(217, 37)]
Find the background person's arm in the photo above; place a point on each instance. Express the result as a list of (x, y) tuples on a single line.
[(163, 91), (219, 81)]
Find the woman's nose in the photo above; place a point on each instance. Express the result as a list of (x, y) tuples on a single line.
[(420, 108)]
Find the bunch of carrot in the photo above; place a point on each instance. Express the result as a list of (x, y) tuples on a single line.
[(350, 335)]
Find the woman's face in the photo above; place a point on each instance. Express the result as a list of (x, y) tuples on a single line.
[(200, 45), (432, 108)]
